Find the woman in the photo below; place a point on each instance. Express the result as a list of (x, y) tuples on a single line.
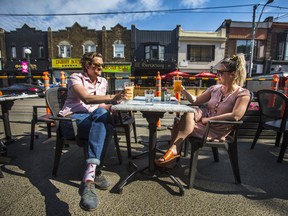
[(225, 101), (88, 103)]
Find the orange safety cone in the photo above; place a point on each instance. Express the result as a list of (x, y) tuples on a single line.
[(158, 93), (63, 79)]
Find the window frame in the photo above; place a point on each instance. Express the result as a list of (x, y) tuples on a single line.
[(64, 49), (154, 52), (200, 56), (89, 46), (118, 49)]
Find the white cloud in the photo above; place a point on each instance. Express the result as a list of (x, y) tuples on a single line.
[(193, 3), (74, 6)]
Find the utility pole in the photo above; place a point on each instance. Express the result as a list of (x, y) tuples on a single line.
[(254, 28)]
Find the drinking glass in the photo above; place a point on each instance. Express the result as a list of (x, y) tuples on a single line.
[(167, 96), (129, 90), (177, 83), (149, 97)]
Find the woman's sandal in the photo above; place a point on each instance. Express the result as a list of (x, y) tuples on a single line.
[(169, 160)]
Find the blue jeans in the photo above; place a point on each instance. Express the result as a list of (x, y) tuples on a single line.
[(97, 128)]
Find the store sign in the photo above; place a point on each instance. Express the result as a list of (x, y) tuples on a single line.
[(117, 69), (20, 66), (25, 66), (66, 63)]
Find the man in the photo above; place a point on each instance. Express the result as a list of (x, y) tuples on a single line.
[(88, 103)]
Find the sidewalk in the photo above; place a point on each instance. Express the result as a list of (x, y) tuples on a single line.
[(28, 187)]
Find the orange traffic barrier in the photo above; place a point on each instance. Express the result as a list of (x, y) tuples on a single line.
[(158, 92), (46, 87), (158, 85), (63, 79), (46, 80), (274, 83), (286, 87), (274, 86)]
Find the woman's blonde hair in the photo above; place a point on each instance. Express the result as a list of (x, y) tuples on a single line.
[(237, 63)]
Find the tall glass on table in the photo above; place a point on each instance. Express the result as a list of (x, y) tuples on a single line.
[(129, 90), (177, 83)]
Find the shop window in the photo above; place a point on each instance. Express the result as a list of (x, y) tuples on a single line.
[(244, 46), (282, 47), (201, 53)]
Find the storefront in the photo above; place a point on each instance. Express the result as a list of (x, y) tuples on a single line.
[(116, 74), (13, 69)]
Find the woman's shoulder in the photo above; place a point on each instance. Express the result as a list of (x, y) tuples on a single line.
[(213, 88), (243, 92)]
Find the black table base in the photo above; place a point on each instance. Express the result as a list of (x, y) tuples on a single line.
[(145, 171), (152, 119)]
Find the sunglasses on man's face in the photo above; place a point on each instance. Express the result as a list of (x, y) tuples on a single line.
[(97, 65)]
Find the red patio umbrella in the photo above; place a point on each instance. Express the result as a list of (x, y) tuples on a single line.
[(170, 75), (205, 74)]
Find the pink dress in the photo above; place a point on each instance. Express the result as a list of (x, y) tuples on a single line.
[(217, 105)]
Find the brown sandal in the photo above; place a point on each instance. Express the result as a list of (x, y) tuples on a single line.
[(170, 160)]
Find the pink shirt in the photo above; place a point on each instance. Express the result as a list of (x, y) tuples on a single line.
[(217, 105), (73, 104)]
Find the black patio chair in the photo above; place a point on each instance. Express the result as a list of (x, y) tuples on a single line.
[(229, 144), (273, 116), (55, 98)]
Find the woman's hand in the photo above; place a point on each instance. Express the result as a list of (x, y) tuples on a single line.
[(204, 120)]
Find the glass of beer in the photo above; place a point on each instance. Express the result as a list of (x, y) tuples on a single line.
[(129, 90), (177, 83)]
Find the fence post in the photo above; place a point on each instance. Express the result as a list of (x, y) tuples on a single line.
[(63, 79)]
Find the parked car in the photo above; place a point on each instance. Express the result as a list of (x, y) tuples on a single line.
[(23, 88)]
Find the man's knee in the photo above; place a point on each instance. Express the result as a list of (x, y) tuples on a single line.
[(101, 114)]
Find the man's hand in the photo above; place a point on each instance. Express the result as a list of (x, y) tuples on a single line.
[(105, 106), (117, 98)]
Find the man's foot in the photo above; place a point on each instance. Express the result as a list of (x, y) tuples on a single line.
[(89, 200), (101, 182), (169, 160)]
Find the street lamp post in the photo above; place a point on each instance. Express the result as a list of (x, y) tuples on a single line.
[(254, 28), (28, 52)]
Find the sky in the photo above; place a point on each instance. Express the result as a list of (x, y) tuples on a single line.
[(192, 15)]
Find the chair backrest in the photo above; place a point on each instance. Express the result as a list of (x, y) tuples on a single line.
[(55, 98), (273, 106)]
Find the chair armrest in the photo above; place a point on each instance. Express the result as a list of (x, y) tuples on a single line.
[(39, 106), (35, 110), (63, 119), (73, 121), (225, 122), (222, 122)]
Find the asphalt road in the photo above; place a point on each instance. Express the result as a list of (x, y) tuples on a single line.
[(28, 187)]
